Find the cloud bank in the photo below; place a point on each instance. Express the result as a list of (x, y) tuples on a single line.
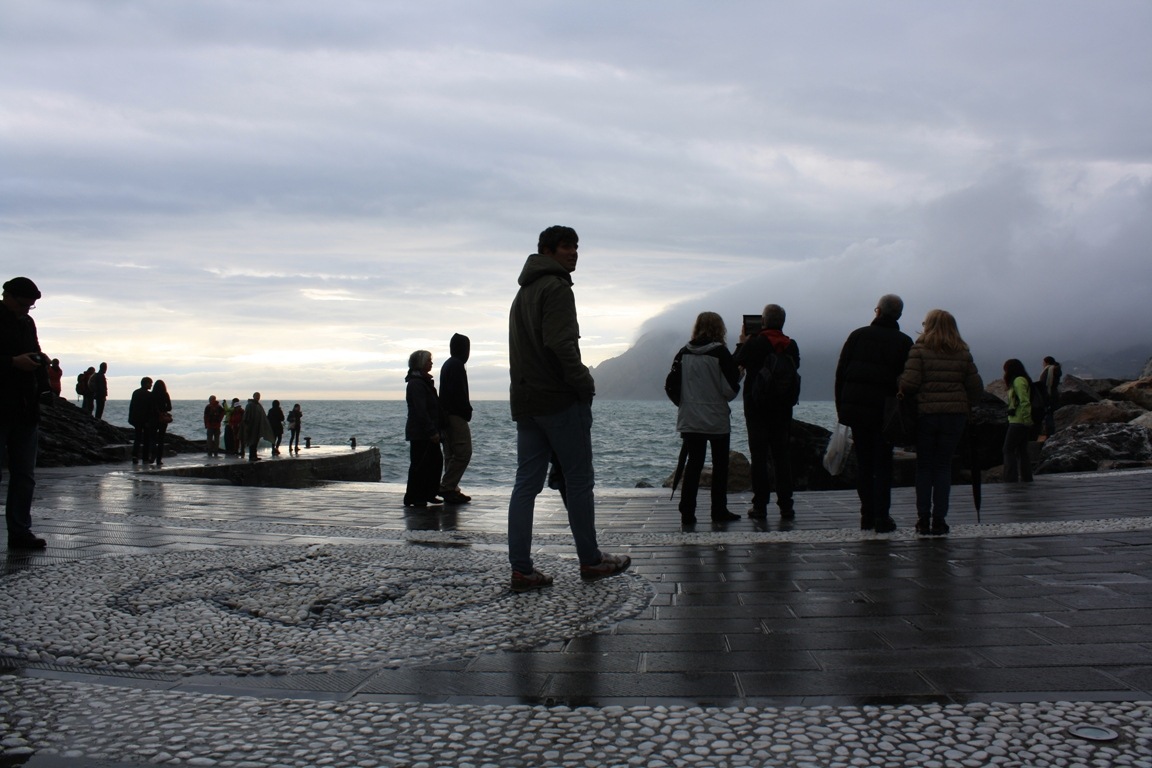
[(291, 198)]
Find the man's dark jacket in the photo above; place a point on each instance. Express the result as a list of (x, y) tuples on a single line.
[(454, 399), (870, 364)]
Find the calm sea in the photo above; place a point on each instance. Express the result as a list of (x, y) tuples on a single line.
[(633, 441)]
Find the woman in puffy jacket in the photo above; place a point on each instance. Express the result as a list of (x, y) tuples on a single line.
[(710, 379), (941, 373), (1017, 465)]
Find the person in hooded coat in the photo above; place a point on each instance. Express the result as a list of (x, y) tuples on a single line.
[(457, 409), (709, 380)]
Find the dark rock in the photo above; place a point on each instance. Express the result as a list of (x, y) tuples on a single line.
[(70, 437), (1077, 391), (1085, 447), (1138, 392), (1103, 412)]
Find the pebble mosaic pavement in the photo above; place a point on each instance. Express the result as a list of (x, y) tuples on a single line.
[(175, 622)]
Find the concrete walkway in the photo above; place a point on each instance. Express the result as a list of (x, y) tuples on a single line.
[(181, 622)]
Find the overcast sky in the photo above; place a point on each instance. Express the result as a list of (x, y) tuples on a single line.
[(292, 196)]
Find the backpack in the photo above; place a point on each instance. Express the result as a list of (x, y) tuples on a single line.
[(674, 381), (81, 384), (777, 384)]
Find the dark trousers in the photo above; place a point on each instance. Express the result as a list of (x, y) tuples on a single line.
[(423, 472), (100, 401), (768, 439), (1017, 463), (874, 473), (142, 442), (18, 442), (937, 435), (697, 446)]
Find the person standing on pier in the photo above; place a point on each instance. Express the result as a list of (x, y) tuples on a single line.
[(871, 362), (23, 381), (457, 409), (551, 400)]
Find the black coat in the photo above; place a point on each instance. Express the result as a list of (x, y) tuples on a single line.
[(19, 390), (424, 417), (870, 364)]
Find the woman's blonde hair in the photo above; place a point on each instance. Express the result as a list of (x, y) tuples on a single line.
[(709, 327), (940, 333)]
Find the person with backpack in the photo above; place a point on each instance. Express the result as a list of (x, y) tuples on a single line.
[(83, 390), (709, 380), (771, 362), (1017, 465), (870, 363)]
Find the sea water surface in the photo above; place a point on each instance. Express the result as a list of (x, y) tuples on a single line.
[(633, 441)]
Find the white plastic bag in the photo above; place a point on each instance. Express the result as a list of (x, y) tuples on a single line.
[(838, 447)]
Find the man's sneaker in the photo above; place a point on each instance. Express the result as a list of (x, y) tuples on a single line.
[(455, 497), (609, 565), (525, 582)]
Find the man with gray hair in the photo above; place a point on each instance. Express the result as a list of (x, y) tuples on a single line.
[(870, 364), (769, 419)]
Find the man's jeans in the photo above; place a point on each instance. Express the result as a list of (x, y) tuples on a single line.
[(568, 434), (18, 441)]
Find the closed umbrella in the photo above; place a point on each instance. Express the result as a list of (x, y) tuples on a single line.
[(679, 467)]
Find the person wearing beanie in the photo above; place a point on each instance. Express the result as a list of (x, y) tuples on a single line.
[(23, 378)]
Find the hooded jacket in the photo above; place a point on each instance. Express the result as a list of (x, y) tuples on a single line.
[(454, 399), (709, 380), (544, 342), (871, 362)]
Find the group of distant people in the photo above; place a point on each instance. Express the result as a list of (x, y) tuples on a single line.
[(91, 386), (878, 362), (243, 427)]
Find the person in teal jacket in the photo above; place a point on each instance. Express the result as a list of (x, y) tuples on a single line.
[(1017, 465)]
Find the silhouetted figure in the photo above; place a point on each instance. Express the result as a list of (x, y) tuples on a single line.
[(23, 381), (276, 419), (162, 404), (98, 389), (870, 365), (769, 423), (551, 400), (422, 431), (213, 418), (457, 409), (142, 417)]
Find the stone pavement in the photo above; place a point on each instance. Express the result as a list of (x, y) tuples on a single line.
[(173, 621)]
